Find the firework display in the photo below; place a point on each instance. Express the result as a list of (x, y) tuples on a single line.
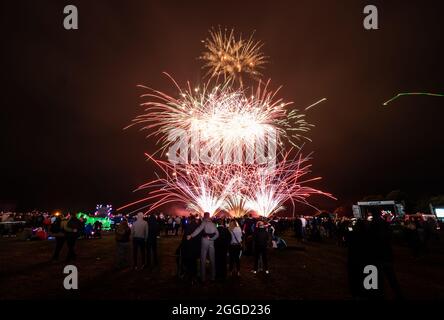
[(236, 189), (221, 116), (215, 122), (287, 182), (230, 57)]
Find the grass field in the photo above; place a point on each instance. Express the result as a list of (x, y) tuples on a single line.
[(312, 271)]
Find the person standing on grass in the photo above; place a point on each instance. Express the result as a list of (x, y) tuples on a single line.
[(249, 229), (235, 246), (260, 243), (190, 249), (304, 226), (139, 234), (221, 246), (170, 225), (56, 230), (183, 223), (65, 230), (297, 226), (358, 247), (209, 234), (123, 233), (381, 254), (151, 244), (177, 222), (72, 229)]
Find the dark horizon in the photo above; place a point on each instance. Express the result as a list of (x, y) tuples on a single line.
[(69, 94)]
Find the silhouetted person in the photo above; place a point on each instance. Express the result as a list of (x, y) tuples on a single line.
[(151, 244), (56, 230), (139, 233), (298, 228), (162, 226), (235, 246), (177, 222), (183, 222), (97, 229), (411, 233), (71, 229), (381, 254), (249, 228), (329, 227), (315, 230), (357, 258), (190, 249), (260, 244), (221, 246), (123, 234)]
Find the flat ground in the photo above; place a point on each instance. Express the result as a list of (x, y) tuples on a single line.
[(300, 272)]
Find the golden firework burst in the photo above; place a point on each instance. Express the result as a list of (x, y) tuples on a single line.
[(230, 57)]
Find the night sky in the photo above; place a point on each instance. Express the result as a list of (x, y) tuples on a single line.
[(67, 95)]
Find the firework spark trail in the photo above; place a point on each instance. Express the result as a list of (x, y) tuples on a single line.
[(285, 183), (237, 189), (316, 103), (202, 188), (230, 57), (412, 94), (222, 116)]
